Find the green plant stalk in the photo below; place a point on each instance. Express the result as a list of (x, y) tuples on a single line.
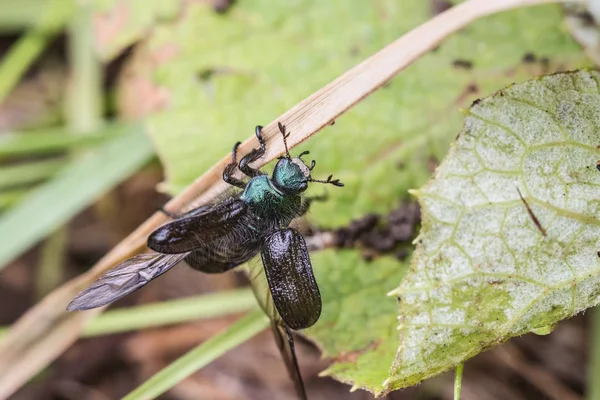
[(18, 15), (21, 55), (53, 140), (84, 97), (593, 378), (172, 312), (49, 273), (28, 173), (458, 374), (169, 312), (10, 197), (237, 333)]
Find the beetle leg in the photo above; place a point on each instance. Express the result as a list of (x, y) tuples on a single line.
[(230, 170), (254, 155)]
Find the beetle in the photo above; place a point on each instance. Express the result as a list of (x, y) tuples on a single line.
[(219, 236)]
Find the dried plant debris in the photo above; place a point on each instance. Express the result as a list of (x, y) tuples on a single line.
[(376, 235), (462, 64)]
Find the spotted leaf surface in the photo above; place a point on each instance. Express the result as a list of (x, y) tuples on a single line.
[(490, 264)]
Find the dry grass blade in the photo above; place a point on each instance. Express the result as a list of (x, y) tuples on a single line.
[(47, 329)]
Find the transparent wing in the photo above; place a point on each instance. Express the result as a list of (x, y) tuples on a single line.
[(125, 278)]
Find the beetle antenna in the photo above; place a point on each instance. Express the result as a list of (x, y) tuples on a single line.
[(335, 182), (285, 135)]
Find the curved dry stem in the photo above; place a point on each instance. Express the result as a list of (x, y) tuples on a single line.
[(47, 329)]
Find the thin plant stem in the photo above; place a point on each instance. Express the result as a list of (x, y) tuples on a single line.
[(52, 257), (458, 374)]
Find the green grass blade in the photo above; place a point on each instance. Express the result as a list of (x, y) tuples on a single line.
[(75, 187), (85, 91), (54, 140), (169, 312), (197, 358), (51, 262), (52, 16), (8, 198), (172, 312), (30, 172), (18, 15)]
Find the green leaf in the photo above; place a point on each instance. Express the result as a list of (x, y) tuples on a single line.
[(358, 325), (209, 79), (55, 202), (490, 265)]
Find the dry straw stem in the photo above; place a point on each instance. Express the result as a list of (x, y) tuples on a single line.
[(47, 329)]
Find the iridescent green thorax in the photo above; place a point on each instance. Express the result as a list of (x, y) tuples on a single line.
[(268, 202), (259, 190)]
